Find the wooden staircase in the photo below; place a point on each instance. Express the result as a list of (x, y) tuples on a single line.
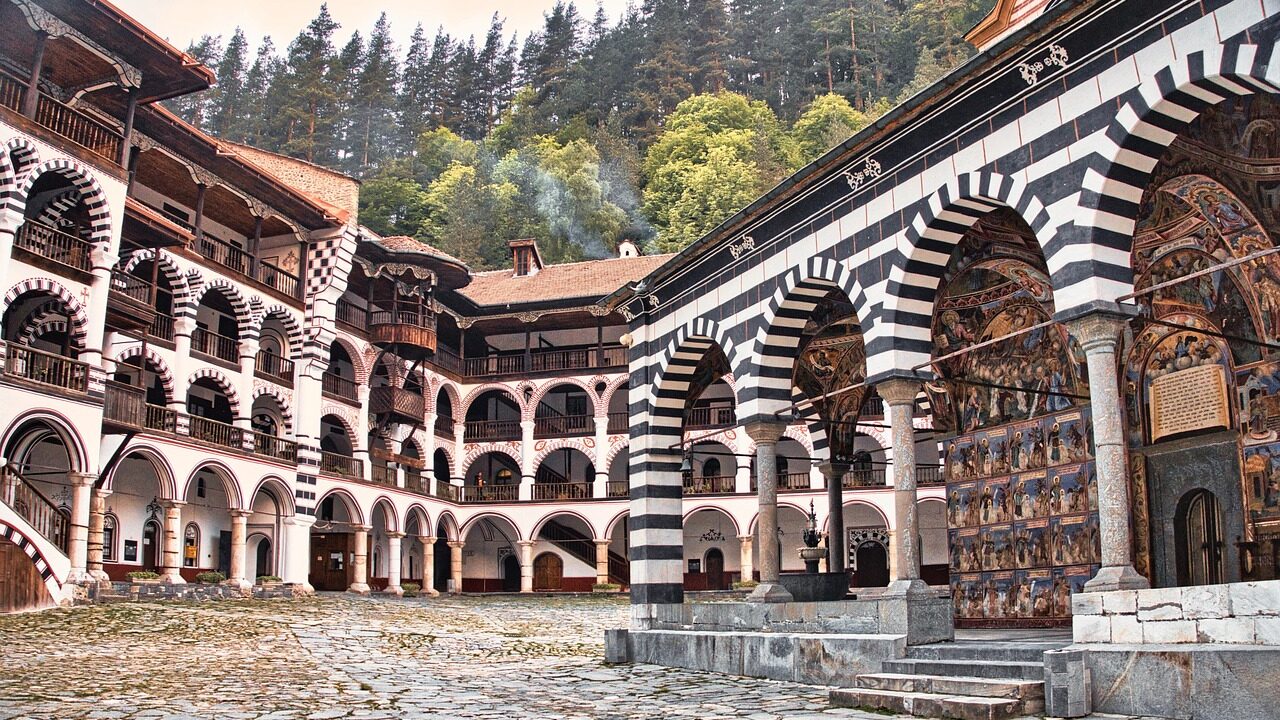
[(583, 548), (966, 680), (31, 505)]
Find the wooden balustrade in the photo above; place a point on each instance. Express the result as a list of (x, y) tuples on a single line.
[(340, 387), (39, 512), (161, 418), (275, 447), (336, 464), (46, 368), (131, 286), (383, 474), (79, 128), (617, 489), (415, 481), (161, 328), (352, 315), (397, 401), (274, 367), (868, 477), (490, 494), (125, 405), (279, 279), (60, 247), (715, 485), (564, 426), (223, 253), (708, 416), (207, 342), (215, 432), (619, 423), (446, 491), (545, 360), (794, 481), (444, 426), (485, 430), (929, 475), (11, 92), (562, 491)]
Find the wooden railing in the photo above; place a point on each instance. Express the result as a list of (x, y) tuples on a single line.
[(336, 464), (47, 368), (125, 404), (929, 475), (210, 343), (697, 418), (415, 481), (11, 92), (161, 418), (406, 403), (275, 367), (131, 286), (444, 426), (223, 253), (562, 491), (79, 128), (447, 359), (340, 387), (619, 423), (39, 512), (564, 426), (546, 360), (617, 489), (716, 485), (281, 280), (55, 245), (871, 477), (402, 317), (484, 430), (216, 432), (445, 491), (161, 328), (490, 493), (794, 481), (275, 447), (872, 407), (383, 473), (355, 316)]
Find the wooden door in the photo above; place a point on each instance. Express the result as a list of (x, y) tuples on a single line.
[(510, 574), (21, 587), (713, 566), (330, 561), (873, 565), (151, 546), (548, 572)]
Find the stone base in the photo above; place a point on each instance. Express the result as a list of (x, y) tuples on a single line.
[(101, 594), (1189, 682), (769, 593), (243, 587), (816, 587), (394, 590), (1113, 578), (914, 588), (359, 589)]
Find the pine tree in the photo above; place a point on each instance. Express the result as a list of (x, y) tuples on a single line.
[(310, 108), (375, 99), (228, 96), (262, 106), (709, 44), (415, 91), (344, 78), (197, 108)]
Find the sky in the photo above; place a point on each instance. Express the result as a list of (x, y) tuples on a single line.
[(183, 22)]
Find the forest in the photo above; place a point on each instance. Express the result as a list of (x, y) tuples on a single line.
[(655, 126)]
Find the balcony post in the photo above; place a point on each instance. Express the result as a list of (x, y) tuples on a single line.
[(527, 470), (254, 245), (395, 547), (201, 188), (599, 488), (360, 567), (429, 565), (526, 565), (31, 100), (126, 142)]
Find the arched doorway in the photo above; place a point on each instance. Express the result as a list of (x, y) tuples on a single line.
[(548, 572), (511, 573), (1198, 527), (872, 563), (151, 546), (713, 566)]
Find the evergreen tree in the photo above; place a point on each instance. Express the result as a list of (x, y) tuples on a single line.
[(227, 98), (375, 99), (344, 77), (197, 108), (311, 105), (415, 91), (261, 105)]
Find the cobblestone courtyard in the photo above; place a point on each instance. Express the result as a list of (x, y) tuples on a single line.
[(340, 656)]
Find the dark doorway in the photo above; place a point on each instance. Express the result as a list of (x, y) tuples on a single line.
[(548, 572), (1198, 528), (444, 560), (510, 574), (330, 561), (873, 565), (264, 557), (713, 566), (150, 545)]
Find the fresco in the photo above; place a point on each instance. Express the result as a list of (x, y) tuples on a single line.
[(832, 358)]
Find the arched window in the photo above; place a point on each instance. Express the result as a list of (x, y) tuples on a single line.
[(109, 525), (191, 544), (711, 468), (503, 477)]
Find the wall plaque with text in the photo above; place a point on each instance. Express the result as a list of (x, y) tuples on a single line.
[(1187, 400)]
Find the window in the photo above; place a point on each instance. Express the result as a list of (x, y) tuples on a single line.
[(504, 477), (109, 523), (711, 468), (191, 545), (200, 490)]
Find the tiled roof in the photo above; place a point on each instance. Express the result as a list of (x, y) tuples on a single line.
[(589, 280), (404, 243)]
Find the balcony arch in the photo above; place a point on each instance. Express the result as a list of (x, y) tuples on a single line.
[(33, 295), (48, 184)]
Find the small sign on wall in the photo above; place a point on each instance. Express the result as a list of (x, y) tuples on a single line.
[(695, 565), (131, 551)]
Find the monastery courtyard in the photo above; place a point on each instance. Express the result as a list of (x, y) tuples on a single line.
[(340, 656)]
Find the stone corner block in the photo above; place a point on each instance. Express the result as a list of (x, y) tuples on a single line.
[(617, 647), (1169, 632), (1255, 598), (1207, 601), (1091, 629), (1239, 631), (1086, 603), (1160, 604), (1120, 602)]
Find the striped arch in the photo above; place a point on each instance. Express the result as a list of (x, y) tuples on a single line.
[(239, 305), (476, 392), (541, 391), (227, 387), (475, 452), (903, 339), (47, 318), (550, 446), (45, 286), (1090, 260), (357, 359), (293, 329), (617, 384), (54, 421), (161, 367), (766, 377), (17, 537), (159, 463), (614, 449), (343, 413), (168, 268), (439, 384), (447, 449), (282, 402), (92, 196), (19, 156), (671, 384), (59, 205), (801, 435)]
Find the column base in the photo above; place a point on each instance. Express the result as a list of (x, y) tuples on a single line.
[(100, 577), (912, 588), (394, 590), (1116, 577), (359, 588), (81, 577), (244, 586), (172, 578), (770, 593), (431, 592)]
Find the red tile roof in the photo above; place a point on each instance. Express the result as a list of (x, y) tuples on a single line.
[(587, 280)]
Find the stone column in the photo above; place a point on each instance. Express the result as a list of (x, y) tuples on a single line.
[(297, 552), (526, 565), (78, 539), (602, 562), (239, 533), (171, 543), (1099, 334), (97, 518), (527, 470), (360, 443), (744, 558), (394, 548), (102, 260), (182, 361), (766, 435), (248, 371), (600, 483), (455, 564), (429, 565), (360, 567), (900, 398), (833, 475)]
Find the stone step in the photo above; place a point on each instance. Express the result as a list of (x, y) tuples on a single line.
[(1009, 652), (967, 668), (942, 685), (931, 705)]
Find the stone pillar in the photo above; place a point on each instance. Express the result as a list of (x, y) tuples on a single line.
[(837, 550), (296, 559), (97, 518), (360, 566), (600, 485), (1099, 334), (360, 443), (459, 452), (95, 332), (766, 435), (248, 371), (900, 398), (744, 558), (429, 565), (602, 562), (171, 543), (455, 564), (394, 548), (182, 329), (526, 565), (78, 540), (239, 533), (527, 470)]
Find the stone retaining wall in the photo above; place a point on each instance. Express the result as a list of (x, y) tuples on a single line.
[(137, 592), (1238, 614)]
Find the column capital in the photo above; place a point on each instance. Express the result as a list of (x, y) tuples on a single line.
[(427, 539), (302, 521), (396, 535), (362, 528), (526, 543), (746, 538), (600, 541), (833, 470), (170, 504), (240, 513), (765, 432), (899, 391), (82, 478), (459, 544), (249, 348), (1100, 328)]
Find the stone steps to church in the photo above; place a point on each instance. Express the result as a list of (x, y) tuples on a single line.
[(1026, 690), (999, 669), (931, 705), (1024, 652)]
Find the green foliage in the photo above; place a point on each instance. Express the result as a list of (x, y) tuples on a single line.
[(829, 121), (142, 575), (606, 587), (262, 579), (410, 589), (210, 577)]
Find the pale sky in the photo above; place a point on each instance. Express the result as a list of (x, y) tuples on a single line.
[(183, 22)]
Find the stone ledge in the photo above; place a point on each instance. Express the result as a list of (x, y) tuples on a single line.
[(1231, 614)]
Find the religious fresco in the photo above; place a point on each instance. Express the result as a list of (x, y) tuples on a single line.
[(1214, 199), (832, 358), (1018, 436)]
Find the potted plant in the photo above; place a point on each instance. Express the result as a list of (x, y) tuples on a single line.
[(744, 584), (410, 589), (606, 588), (269, 580), (144, 577)]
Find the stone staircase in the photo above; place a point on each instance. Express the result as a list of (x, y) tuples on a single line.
[(966, 679)]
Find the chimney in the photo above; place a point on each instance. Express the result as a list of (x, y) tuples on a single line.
[(525, 257), (628, 248)]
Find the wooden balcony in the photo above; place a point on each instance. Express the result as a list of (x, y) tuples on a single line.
[(211, 344), (161, 328), (284, 282), (444, 426), (275, 447), (340, 388), (871, 477), (707, 417), (446, 491), (562, 491), (617, 489), (398, 403), (412, 332), (547, 360), (215, 432), (124, 408), (794, 481), (48, 244), (129, 303), (222, 252), (619, 423), (275, 368), (564, 426), (45, 368), (335, 464), (383, 474), (64, 121), (715, 485), (354, 317), (489, 430), (490, 494)]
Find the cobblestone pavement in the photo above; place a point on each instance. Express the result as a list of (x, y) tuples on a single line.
[(349, 657)]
